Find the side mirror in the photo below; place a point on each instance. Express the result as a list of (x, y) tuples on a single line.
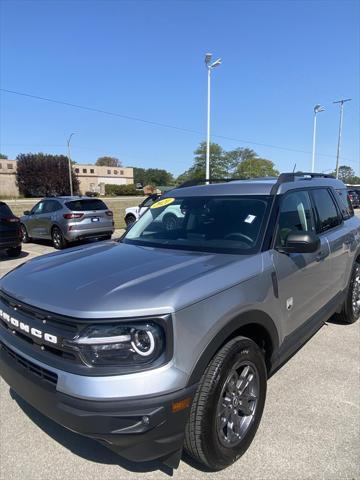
[(27, 212), (301, 242)]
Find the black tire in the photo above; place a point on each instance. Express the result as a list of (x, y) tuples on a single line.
[(14, 251), (170, 221), (129, 220), (24, 234), (350, 312), (204, 431), (58, 239)]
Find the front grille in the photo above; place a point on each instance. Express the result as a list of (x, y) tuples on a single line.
[(63, 328), (30, 367)]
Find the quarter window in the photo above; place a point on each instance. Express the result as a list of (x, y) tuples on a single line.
[(345, 203), (327, 213), (295, 216)]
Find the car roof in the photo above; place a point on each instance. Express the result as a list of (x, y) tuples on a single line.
[(69, 198), (257, 186)]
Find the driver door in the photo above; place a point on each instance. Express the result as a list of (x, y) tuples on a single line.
[(302, 277)]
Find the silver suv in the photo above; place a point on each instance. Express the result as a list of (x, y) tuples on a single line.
[(67, 219), (165, 339)]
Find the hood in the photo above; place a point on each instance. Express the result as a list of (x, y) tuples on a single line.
[(111, 279)]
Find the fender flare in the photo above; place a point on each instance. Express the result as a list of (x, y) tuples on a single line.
[(249, 319)]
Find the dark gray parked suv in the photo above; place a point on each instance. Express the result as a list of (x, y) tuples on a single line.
[(166, 339), (67, 219)]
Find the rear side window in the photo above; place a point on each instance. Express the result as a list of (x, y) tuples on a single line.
[(86, 205), (345, 203), (327, 214), (5, 210)]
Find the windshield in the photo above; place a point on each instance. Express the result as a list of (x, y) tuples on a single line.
[(210, 224), (86, 205)]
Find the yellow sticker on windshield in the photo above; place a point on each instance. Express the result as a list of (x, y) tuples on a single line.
[(163, 203)]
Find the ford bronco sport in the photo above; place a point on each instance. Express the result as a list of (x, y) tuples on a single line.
[(165, 339)]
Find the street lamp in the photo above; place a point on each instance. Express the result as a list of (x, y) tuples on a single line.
[(317, 109), (209, 66), (341, 102), (69, 164)]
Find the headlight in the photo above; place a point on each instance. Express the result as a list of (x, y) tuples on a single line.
[(119, 345)]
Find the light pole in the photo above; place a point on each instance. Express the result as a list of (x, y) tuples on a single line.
[(341, 102), (209, 67), (317, 109), (69, 163)]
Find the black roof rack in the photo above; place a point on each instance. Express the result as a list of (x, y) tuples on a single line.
[(296, 176), (200, 181)]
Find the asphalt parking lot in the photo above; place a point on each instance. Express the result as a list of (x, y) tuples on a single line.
[(310, 428)]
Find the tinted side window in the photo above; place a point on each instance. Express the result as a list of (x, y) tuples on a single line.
[(295, 216), (5, 210), (327, 213), (52, 206), (345, 203), (149, 201), (39, 208)]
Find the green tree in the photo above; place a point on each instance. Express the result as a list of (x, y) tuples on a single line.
[(237, 163), (347, 175), (235, 157), (255, 167), (3, 157), (219, 164), (108, 162), (153, 176), (41, 175)]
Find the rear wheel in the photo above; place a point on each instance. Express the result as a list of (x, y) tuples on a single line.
[(24, 234), (14, 251), (58, 239), (351, 309), (228, 405)]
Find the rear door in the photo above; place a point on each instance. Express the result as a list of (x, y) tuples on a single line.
[(302, 278), (95, 214), (330, 225), (9, 224)]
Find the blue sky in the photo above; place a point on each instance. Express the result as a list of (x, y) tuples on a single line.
[(145, 59)]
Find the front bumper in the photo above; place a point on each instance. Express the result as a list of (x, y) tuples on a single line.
[(139, 429)]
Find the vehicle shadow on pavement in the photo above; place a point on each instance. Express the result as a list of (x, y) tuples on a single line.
[(83, 446), (4, 256)]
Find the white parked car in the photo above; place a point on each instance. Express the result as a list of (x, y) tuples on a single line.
[(170, 220)]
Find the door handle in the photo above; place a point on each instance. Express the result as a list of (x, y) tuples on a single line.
[(321, 256)]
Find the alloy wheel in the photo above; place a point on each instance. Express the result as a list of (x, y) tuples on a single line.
[(237, 404)]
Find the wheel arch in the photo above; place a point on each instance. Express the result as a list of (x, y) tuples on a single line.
[(256, 325)]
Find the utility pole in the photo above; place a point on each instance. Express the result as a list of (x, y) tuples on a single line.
[(341, 103), (209, 67), (317, 109), (69, 164)]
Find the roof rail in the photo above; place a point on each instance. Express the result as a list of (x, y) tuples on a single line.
[(200, 181), (296, 176)]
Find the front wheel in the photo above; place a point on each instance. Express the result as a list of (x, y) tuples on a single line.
[(228, 405), (58, 239), (24, 234), (130, 220), (14, 251)]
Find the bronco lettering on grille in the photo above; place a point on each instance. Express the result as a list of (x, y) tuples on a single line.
[(16, 324)]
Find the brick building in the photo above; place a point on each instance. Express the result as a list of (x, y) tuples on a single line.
[(91, 177)]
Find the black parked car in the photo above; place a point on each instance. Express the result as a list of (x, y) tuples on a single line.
[(354, 198), (10, 237)]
